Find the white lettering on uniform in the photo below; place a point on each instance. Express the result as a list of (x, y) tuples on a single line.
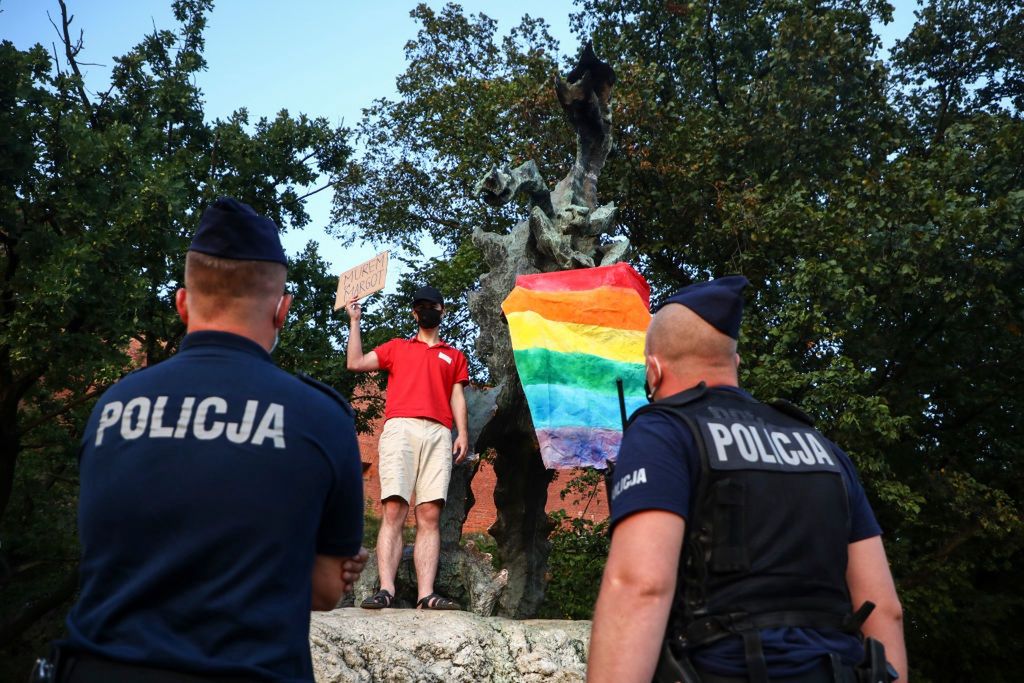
[(184, 417), (216, 428), (632, 479), (819, 451), (722, 438), (754, 443), (805, 453), (780, 440), (765, 455), (141, 405), (744, 442), (145, 416), (238, 432), (108, 417), (271, 426), (156, 424)]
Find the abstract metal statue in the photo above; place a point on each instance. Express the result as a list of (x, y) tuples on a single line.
[(566, 229)]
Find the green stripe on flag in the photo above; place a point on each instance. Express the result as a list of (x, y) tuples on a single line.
[(594, 373)]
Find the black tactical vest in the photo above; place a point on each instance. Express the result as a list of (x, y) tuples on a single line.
[(766, 541)]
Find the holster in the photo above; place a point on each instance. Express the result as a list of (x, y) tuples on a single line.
[(673, 669), (874, 668)]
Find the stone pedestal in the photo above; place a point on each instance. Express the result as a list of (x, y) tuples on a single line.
[(406, 646)]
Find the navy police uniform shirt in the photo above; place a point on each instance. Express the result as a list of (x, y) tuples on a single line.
[(209, 482), (659, 469)]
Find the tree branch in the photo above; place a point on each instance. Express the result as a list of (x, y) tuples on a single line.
[(368, 397), (712, 56), (448, 223), (939, 556), (71, 52), (319, 189), (63, 409), (36, 610)]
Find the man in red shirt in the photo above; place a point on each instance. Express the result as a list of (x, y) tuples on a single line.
[(424, 398)]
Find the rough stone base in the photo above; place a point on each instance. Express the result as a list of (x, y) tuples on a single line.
[(406, 646)]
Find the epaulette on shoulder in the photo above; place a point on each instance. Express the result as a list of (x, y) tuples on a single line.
[(790, 409), (329, 390)]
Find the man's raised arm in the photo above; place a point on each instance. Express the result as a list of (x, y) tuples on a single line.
[(355, 359)]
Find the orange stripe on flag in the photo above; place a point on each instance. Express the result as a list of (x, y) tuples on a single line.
[(616, 307)]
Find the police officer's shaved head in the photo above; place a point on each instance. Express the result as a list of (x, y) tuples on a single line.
[(228, 279), (678, 335), (695, 330)]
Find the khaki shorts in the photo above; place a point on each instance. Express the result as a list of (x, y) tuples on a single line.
[(415, 454)]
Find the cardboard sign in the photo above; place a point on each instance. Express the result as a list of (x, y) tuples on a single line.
[(364, 279)]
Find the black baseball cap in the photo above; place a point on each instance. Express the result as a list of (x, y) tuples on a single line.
[(427, 293)]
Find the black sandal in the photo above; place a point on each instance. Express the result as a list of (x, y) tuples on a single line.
[(378, 600), (436, 601)]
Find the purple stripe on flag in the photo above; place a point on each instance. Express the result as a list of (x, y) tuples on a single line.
[(567, 447)]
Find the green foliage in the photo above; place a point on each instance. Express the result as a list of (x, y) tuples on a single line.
[(579, 548)]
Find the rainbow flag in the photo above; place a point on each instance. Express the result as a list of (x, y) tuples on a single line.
[(573, 333)]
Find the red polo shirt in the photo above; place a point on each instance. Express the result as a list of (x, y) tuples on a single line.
[(420, 378)]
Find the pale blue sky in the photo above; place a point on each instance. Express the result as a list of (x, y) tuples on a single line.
[(325, 58)]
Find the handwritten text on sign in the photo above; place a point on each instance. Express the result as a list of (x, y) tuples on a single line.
[(366, 278)]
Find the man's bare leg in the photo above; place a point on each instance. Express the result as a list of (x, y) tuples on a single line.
[(428, 546), (389, 540)]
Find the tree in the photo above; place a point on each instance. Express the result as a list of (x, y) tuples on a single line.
[(875, 207), (99, 196)]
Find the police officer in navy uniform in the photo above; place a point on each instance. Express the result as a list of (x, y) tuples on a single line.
[(743, 545), (221, 497)]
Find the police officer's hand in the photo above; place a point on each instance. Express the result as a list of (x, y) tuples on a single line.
[(352, 567), (354, 310), (460, 449)]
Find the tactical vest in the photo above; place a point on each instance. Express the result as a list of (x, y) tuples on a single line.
[(766, 541)]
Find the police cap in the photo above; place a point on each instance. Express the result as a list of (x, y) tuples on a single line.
[(232, 230), (719, 302), (428, 293)]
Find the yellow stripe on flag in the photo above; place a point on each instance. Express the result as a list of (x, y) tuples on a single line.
[(529, 331)]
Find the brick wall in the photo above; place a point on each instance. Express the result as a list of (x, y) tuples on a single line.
[(483, 514)]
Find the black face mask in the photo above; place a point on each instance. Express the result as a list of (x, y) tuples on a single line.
[(429, 318)]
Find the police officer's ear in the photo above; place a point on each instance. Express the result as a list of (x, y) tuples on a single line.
[(738, 360), (281, 312), (181, 303)]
